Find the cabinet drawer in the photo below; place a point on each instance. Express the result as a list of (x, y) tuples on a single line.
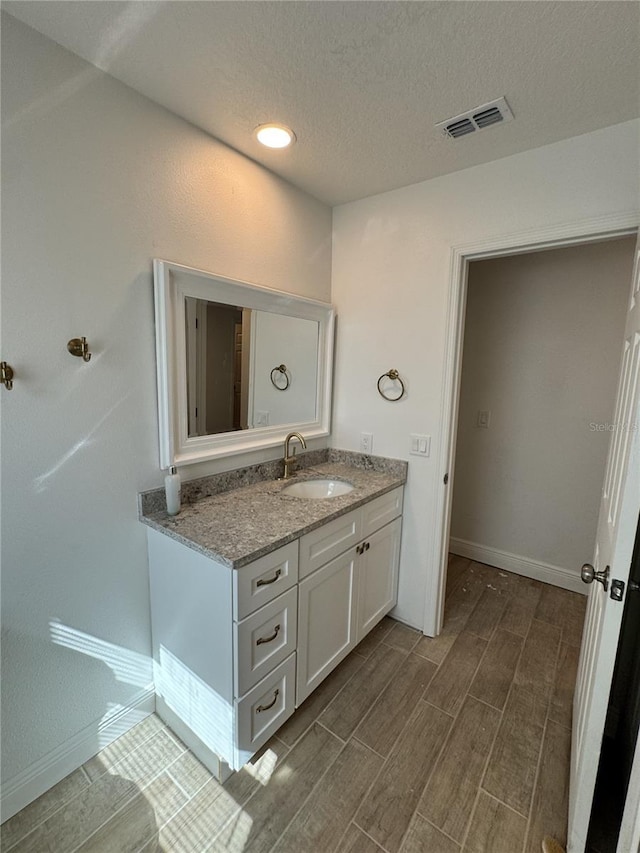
[(265, 708), (328, 541), (264, 579), (264, 639), (381, 511)]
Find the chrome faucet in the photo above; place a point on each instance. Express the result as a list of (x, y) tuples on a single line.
[(290, 458)]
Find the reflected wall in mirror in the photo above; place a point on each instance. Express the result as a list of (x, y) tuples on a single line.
[(239, 366), (248, 368)]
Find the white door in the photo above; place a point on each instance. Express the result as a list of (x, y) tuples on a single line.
[(617, 525)]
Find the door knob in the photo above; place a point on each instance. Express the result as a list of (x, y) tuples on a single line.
[(589, 575)]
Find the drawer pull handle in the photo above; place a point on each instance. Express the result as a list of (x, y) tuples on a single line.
[(273, 579), (270, 639), (270, 705)]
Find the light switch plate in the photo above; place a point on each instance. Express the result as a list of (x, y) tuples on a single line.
[(420, 445), (484, 418)]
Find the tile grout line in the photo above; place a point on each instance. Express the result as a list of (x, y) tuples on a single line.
[(413, 714), (139, 792), (184, 805), (83, 792), (483, 774), (375, 698), (401, 732), (502, 803), (506, 702), (344, 686), (324, 726), (309, 795), (377, 843), (537, 781), (383, 766), (331, 701), (436, 762)]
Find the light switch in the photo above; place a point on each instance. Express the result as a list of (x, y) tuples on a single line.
[(483, 420), (420, 445)]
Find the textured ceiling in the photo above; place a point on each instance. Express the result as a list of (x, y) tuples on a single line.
[(363, 83)]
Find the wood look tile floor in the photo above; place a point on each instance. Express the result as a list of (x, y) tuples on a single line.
[(412, 745)]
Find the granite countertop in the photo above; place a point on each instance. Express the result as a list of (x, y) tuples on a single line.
[(238, 525)]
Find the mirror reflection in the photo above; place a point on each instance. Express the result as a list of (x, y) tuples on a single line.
[(247, 368)]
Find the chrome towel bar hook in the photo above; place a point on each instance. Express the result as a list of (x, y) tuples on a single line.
[(395, 377)]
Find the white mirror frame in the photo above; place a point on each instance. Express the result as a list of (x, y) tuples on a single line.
[(176, 447)]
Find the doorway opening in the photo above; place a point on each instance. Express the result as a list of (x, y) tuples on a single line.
[(540, 364), (614, 531), (573, 234)]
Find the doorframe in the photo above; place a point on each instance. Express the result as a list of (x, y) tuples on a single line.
[(552, 237)]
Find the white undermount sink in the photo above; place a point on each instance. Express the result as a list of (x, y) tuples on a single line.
[(318, 489)]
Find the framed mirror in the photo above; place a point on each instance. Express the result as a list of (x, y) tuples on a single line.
[(238, 366)]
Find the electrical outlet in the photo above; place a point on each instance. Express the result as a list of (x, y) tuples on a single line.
[(262, 419), (366, 442)]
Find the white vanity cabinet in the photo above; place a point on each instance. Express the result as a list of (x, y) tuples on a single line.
[(348, 582), (224, 644), (237, 650)]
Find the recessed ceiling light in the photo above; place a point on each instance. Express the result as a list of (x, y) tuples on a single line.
[(275, 135)]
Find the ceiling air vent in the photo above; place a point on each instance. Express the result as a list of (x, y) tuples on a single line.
[(495, 112)]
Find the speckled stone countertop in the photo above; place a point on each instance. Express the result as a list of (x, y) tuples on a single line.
[(240, 523)]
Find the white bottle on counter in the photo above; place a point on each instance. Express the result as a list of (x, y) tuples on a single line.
[(172, 490)]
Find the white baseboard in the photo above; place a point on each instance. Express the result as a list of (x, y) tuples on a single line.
[(525, 566), (18, 792)]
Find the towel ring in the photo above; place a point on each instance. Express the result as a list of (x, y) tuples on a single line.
[(282, 369), (395, 376)]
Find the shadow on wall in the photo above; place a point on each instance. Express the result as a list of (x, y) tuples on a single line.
[(36, 668)]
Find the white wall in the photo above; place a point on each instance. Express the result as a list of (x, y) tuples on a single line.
[(97, 181), (391, 270), (542, 354)]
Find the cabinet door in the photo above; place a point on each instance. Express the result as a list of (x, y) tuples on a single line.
[(326, 621), (378, 576)]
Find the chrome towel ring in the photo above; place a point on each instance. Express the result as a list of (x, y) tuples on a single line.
[(280, 371), (395, 377)]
